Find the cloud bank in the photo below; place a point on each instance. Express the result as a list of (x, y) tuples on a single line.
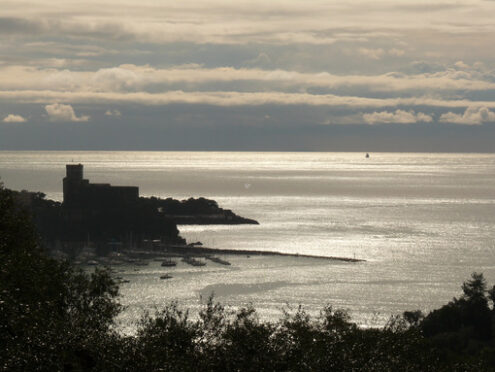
[(220, 64)]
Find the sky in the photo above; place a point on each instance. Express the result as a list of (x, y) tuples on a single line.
[(289, 75)]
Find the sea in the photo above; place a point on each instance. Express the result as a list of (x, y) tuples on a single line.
[(421, 223)]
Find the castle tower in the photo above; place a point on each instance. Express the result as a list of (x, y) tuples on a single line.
[(74, 172), (72, 183)]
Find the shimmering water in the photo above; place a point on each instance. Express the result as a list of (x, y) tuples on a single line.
[(423, 222)]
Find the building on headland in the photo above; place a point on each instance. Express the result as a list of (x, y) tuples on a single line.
[(105, 216), (80, 193)]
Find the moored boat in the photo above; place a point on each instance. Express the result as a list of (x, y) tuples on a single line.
[(168, 263), (193, 262)]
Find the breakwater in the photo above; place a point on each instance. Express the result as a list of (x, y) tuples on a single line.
[(181, 250)]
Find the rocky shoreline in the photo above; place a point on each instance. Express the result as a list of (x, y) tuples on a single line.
[(223, 218)]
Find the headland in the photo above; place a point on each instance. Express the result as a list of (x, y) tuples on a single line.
[(101, 220)]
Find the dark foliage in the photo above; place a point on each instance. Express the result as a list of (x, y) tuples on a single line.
[(52, 317), (462, 329)]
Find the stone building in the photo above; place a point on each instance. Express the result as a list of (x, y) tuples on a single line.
[(80, 193)]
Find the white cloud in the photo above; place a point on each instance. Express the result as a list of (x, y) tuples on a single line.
[(119, 78), (371, 53), (113, 113), (230, 98), (61, 112), (474, 115), (12, 118), (132, 78), (397, 117), (461, 65)]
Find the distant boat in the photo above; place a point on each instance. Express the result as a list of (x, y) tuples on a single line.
[(367, 155), (167, 262), (193, 262), (218, 260), (166, 276)]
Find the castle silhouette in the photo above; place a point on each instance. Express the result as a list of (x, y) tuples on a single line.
[(80, 193)]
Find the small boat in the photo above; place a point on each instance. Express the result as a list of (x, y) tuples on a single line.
[(166, 276), (168, 263), (131, 260), (193, 262), (218, 260), (92, 263)]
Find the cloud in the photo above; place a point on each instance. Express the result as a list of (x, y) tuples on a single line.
[(371, 53), (397, 117), (461, 65), (379, 53), (344, 59), (473, 115), (231, 98), (132, 78), (61, 112), (261, 60), (12, 118), (218, 21), (120, 78), (14, 25), (424, 67), (113, 113), (396, 52)]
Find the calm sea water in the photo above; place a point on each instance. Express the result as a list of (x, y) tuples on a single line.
[(422, 222)]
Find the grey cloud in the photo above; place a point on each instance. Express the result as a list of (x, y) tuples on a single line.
[(261, 60), (423, 67), (216, 22), (21, 26), (69, 29)]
